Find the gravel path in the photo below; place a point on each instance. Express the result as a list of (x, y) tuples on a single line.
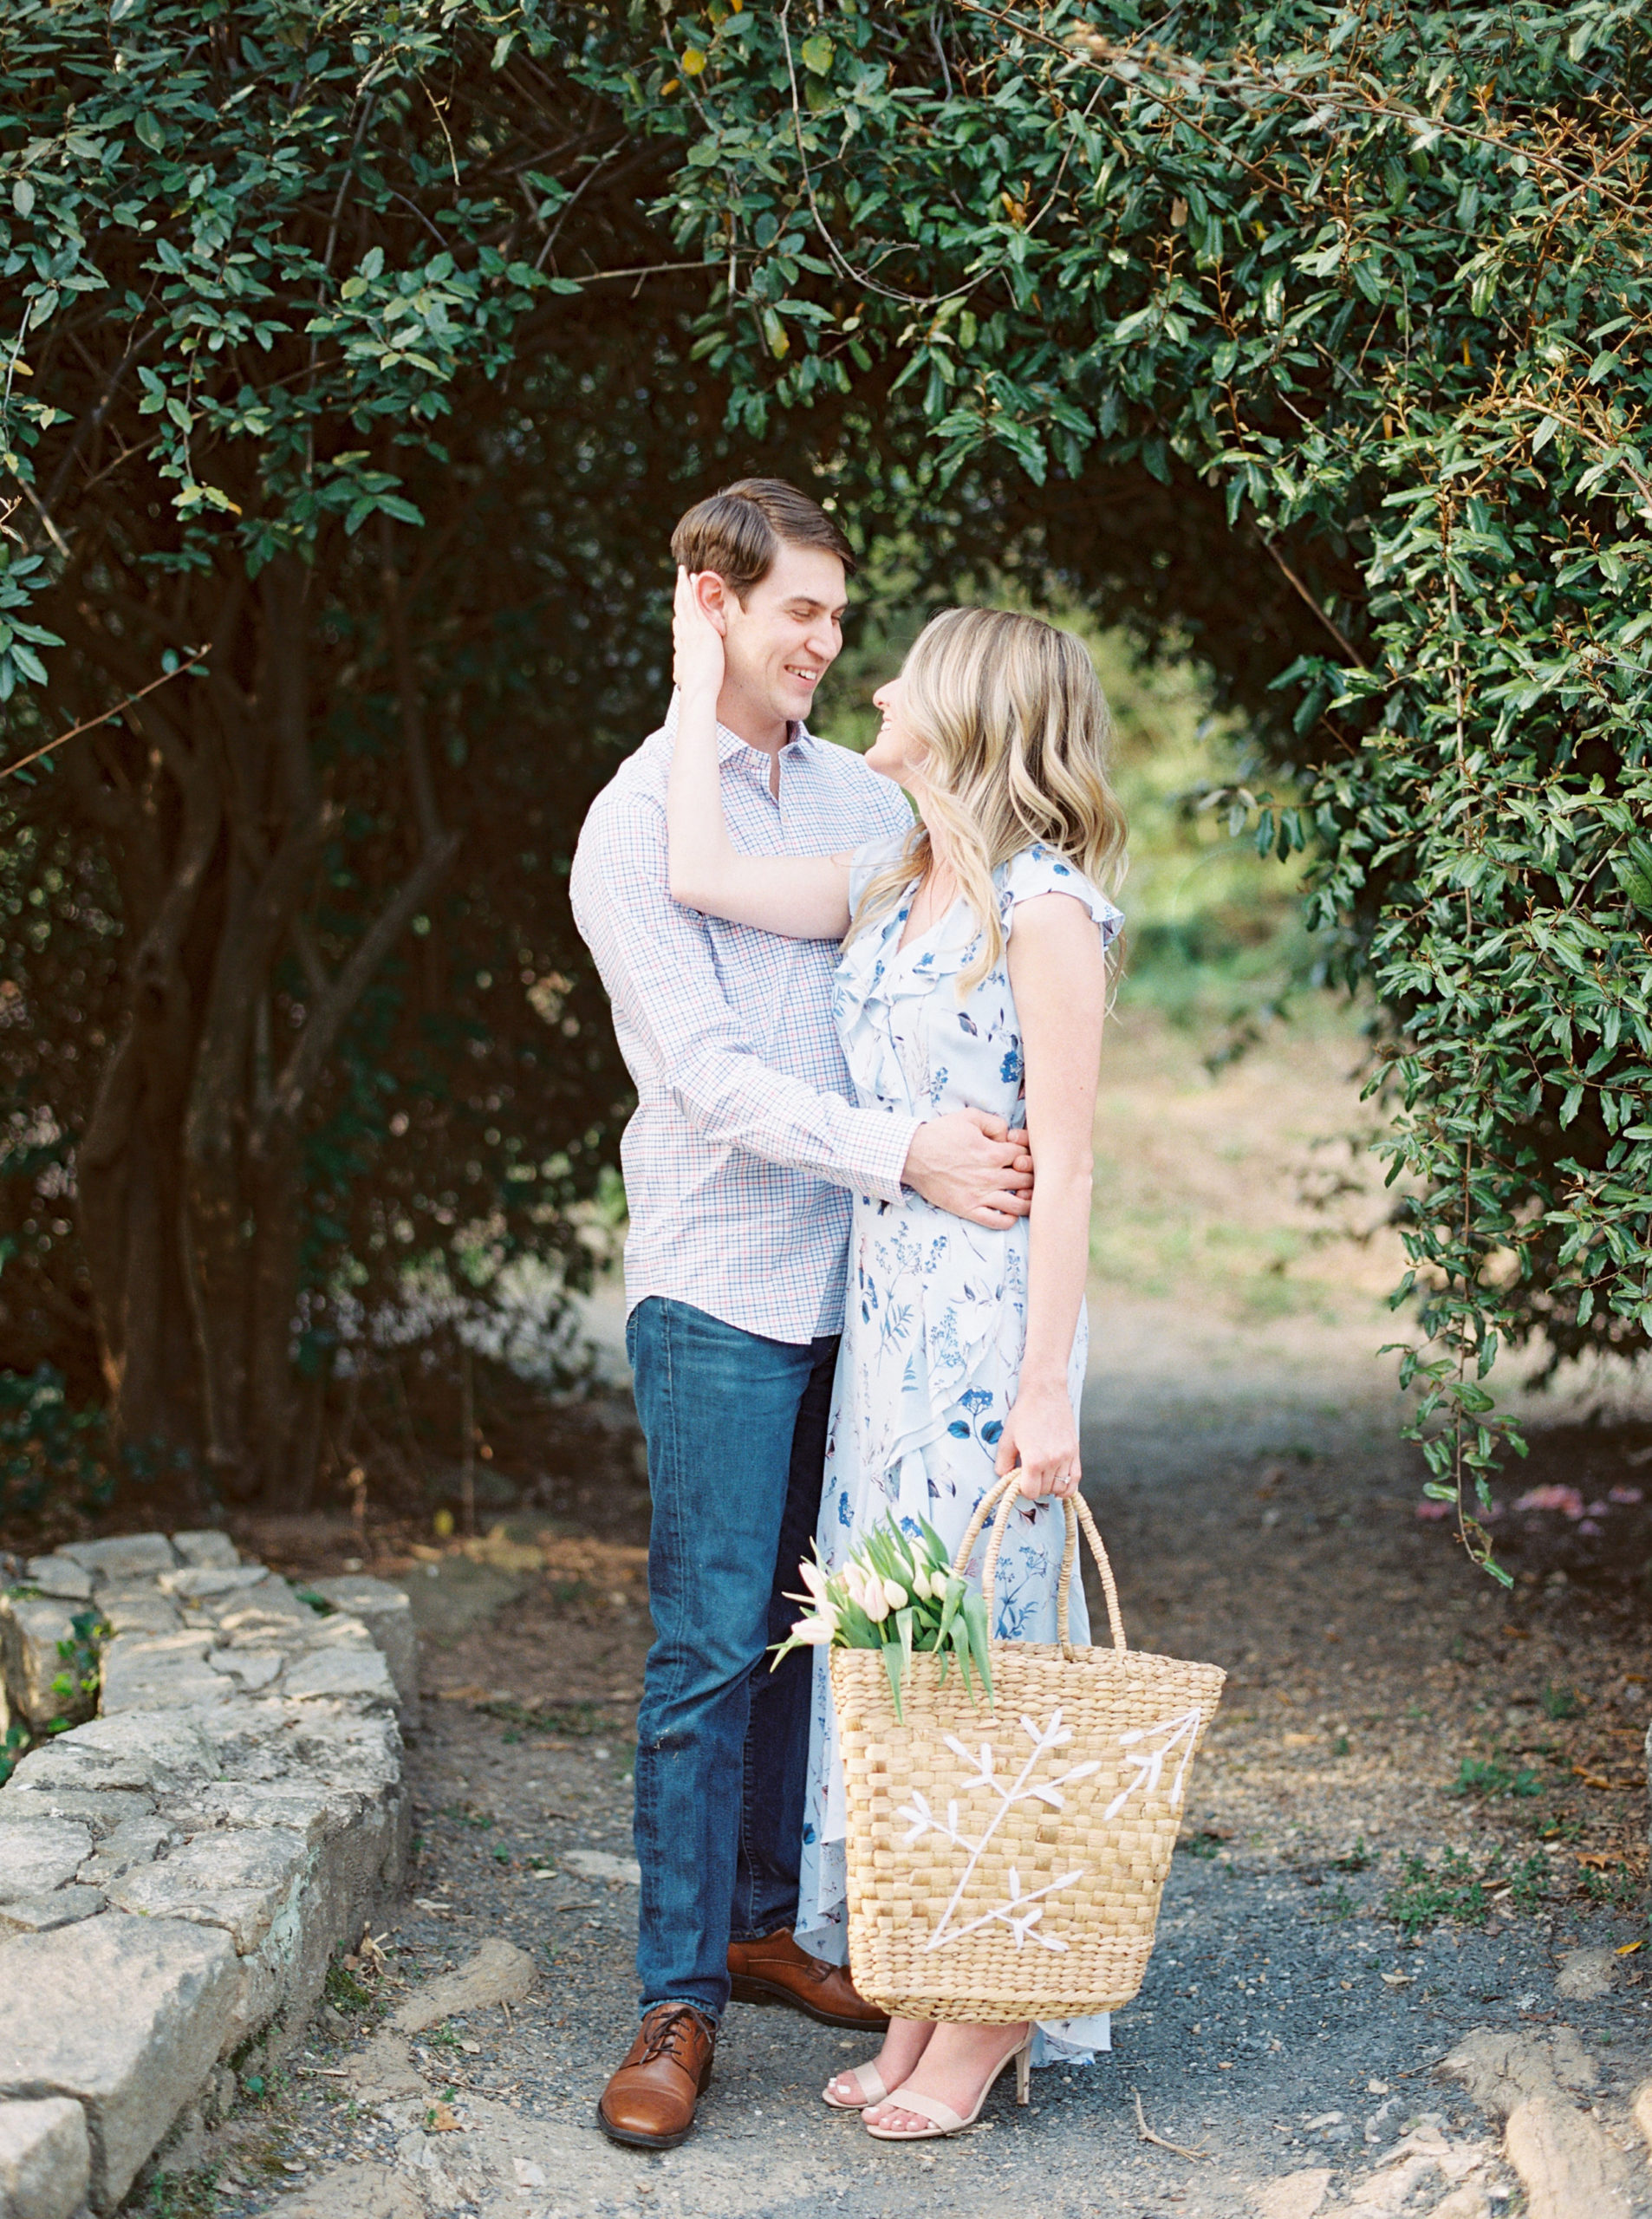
[(1289, 2028)]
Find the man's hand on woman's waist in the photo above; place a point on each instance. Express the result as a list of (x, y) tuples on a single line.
[(973, 1166)]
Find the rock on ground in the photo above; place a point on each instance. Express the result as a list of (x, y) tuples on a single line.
[(40, 1914), (1569, 2170), (1586, 1975), (1297, 2195), (60, 1576), (176, 1873), (30, 1628), (128, 1556), (164, 1995), (240, 1880), (498, 1973), (1566, 2164), (355, 2192), (385, 2070), (45, 2161), (36, 1854), (387, 1615)]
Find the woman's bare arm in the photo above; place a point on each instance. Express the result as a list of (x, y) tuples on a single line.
[(803, 897), (1058, 975)]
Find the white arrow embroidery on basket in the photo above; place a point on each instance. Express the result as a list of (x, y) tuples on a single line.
[(1150, 1763), (1021, 1913)]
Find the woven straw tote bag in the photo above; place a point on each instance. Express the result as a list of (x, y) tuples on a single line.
[(1005, 1860)]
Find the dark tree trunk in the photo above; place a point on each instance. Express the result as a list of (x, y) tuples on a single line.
[(190, 1173)]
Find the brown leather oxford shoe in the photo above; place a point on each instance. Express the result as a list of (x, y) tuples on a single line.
[(774, 1970), (649, 2103)]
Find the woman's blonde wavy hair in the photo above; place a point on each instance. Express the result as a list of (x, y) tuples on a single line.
[(1015, 731)]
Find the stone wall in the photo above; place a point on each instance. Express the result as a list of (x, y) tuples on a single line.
[(177, 1870)]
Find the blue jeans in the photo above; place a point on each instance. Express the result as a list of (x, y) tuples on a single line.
[(735, 1428)]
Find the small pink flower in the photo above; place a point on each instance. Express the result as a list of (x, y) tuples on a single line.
[(1566, 1499), (1625, 1495), (1588, 1526), (1428, 1508)]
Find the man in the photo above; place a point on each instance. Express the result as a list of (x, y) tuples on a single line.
[(739, 1164)]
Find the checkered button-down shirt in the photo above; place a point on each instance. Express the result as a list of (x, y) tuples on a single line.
[(746, 1147)]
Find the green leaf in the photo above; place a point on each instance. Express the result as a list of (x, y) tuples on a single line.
[(974, 1614), (817, 52), (150, 131)]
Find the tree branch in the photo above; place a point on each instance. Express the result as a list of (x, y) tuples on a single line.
[(1336, 630), (120, 708), (350, 982)]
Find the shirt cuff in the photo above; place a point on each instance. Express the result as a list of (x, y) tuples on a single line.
[(890, 1141)]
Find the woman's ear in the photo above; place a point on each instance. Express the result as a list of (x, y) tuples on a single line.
[(713, 595)]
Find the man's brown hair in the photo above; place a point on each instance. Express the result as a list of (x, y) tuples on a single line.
[(738, 532)]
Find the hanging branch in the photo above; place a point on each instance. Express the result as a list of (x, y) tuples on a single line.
[(108, 715)]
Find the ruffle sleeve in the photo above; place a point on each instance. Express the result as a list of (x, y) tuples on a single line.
[(1038, 869)]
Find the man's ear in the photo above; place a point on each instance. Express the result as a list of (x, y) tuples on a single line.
[(713, 596)]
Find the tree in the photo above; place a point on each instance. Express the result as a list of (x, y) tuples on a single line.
[(342, 346), (303, 404), (1363, 289), (1312, 333)]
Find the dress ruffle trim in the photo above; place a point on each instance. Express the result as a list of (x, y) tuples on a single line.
[(875, 969)]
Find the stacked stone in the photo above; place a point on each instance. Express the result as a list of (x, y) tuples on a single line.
[(176, 1872)]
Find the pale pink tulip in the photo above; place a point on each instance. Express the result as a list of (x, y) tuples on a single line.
[(817, 1631)]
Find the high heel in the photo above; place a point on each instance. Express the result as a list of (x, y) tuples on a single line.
[(865, 2077), (943, 2119), (869, 2078)]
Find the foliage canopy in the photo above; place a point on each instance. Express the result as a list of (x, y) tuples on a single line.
[(1316, 332), (1373, 279)]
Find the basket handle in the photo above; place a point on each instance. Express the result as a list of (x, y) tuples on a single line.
[(1077, 1513)]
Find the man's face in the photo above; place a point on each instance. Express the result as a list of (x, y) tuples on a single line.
[(783, 639)]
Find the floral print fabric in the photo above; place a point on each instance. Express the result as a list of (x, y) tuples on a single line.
[(936, 1319)]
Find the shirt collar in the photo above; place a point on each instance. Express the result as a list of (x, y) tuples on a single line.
[(729, 746)]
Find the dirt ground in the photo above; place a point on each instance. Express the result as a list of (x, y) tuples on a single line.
[(1340, 1916), (1423, 1802)]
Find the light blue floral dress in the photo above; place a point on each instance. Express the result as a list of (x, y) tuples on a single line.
[(935, 1322)]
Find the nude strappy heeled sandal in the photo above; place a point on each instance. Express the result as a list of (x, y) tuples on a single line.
[(943, 2119), (868, 2079)]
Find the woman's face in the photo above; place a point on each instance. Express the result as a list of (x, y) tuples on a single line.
[(897, 752)]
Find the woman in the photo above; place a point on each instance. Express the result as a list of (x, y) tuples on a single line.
[(973, 976)]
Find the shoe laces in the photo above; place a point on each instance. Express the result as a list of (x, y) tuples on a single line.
[(666, 2031)]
